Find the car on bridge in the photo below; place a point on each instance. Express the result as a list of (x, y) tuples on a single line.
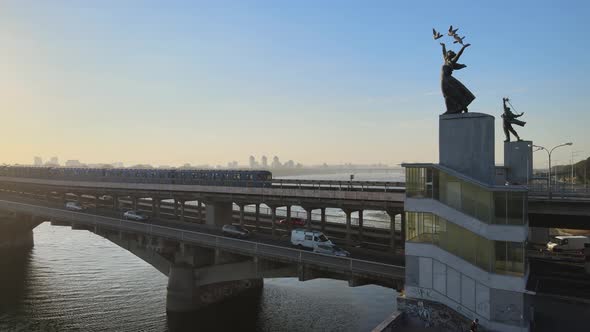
[(328, 249), (74, 206), (135, 215), (293, 222), (235, 231)]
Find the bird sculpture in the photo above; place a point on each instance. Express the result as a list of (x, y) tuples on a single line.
[(452, 32), (436, 35), (458, 39)]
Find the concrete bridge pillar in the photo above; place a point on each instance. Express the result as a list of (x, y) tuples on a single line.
[(219, 213), (176, 208), (273, 218), (348, 222), (360, 230), (16, 230), (289, 225), (242, 207), (257, 217), (154, 206), (392, 215), (181, 288), (323, 220), (182, 206), (134, 201), (199, 208), (308, 223)]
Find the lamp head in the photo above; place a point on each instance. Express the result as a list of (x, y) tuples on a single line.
[(569, 143)]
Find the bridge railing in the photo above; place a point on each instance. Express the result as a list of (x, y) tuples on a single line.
[(342, 264), (559, 190)]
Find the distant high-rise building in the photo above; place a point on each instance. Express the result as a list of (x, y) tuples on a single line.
[(289, 164), (232, 164), (264, 162), (38, 161), (253, 163), (73, 163), (275, 162), (53, 161)]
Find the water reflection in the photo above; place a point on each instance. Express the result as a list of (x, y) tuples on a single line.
[(236, 314)]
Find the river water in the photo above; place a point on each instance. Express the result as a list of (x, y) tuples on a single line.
[(73, 280)]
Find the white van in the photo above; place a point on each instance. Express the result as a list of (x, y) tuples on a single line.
[(308, 239), (568, 243)]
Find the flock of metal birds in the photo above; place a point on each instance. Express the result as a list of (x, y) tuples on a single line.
[(452, 32)]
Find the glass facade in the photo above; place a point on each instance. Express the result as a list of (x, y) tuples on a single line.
[(500, 257), (491, 207)]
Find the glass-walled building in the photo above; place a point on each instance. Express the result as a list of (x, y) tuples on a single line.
[(465, 245)]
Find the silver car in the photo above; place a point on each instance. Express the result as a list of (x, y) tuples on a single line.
[(330, 249), (134, 215), (235, 231)]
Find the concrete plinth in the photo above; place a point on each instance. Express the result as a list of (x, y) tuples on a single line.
[(466, 144), (518, 160)]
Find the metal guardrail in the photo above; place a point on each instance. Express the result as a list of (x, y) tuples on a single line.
[(342, 264)]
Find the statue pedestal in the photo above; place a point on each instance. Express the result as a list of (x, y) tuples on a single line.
[(466, 145), (518, 160)]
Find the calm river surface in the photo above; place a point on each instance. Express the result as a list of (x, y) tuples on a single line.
[(77, 281)]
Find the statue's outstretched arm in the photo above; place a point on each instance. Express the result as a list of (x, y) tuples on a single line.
[(456, 58), (444, 50)]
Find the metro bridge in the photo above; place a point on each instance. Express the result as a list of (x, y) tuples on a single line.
[(201, 262)]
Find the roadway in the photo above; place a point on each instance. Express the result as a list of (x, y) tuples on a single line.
[(256, 237)]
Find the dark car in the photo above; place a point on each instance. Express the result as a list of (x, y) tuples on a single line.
[(235, 231), (293, 222)]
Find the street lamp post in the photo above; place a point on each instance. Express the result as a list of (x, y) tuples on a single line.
[(549, 155)]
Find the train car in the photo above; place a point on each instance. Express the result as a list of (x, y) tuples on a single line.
[(209, 177)]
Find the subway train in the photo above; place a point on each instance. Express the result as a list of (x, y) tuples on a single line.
[(163, 176)]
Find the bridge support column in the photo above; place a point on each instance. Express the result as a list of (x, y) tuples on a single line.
[(308, 224), (176, 208), (199, 208), (242, 207), (134, 202), (181, 287), (360, 230), (289, 224), (219, 213), (16, 231), (348, 222), (323, 220), (182, 206), (273, 219), (115, 202), (154, 206), (392, 215), (257, 217)]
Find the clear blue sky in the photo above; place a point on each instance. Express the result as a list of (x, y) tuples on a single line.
[(168, 82)]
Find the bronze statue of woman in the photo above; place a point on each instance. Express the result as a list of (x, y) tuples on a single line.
[(457, 96)]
